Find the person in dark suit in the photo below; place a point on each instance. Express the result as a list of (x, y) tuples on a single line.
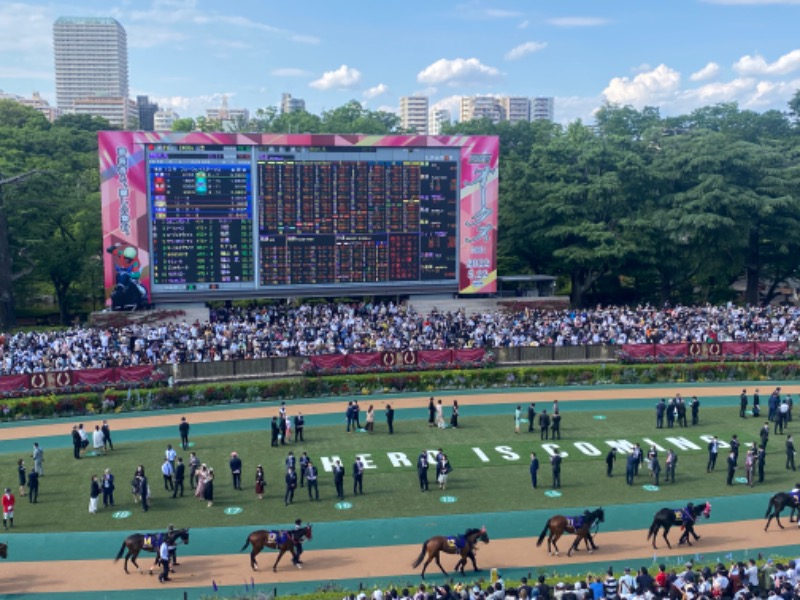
[(303, 462), (183, 429), (348, 415), (33, 486), (390, 418), (236, 470), (544, 425), (144, 488), (358, 477), (357, 414), (671, 462), (291, 486), (555, 427), (422, 471), (661, 408), (313, 484), (790, 454), (756, 404), (630, 468), (764, 434), (762, 460), (275, 432), (76, 442), (531, 416), (282, 430), (299, 425), (743, 404), (534, 469), (671, 410), (555, 462), (655, 467), (713, 452), (611, 458), (734, 444), (695, 410), (338, 479), (731, 467), (106, 431), (180, 474)]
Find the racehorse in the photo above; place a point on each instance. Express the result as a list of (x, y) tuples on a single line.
[(581, 526), (3, 550), (667, 517), (137, 542), (463, 545), (282, 541), (776, 505)]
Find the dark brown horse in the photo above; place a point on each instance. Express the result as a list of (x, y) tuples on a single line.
[(776, 505), (581, 526), (137, 542), (282, 541), (3, 550), (667, 517), (463, 545)]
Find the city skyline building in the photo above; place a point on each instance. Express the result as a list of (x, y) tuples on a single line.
[(436, 118), (290, 104), (147, 111), (36, 102), (414, 114), (91, 60), (163, 119), (543, 108)]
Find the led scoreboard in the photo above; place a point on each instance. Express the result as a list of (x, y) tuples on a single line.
[(254, 215)]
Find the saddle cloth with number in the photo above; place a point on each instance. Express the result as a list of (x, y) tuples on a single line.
[(456, 541), (277, 537), (576, 522)]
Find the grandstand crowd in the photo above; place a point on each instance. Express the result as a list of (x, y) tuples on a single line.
[(288, 330)]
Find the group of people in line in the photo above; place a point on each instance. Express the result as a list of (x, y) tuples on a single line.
[(262, 331)]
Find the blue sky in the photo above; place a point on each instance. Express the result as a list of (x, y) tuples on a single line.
[(674, 54)]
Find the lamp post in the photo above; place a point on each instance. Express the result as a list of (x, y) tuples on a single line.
[(8, 316)]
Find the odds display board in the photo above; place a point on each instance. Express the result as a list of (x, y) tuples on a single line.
[(210, 216)]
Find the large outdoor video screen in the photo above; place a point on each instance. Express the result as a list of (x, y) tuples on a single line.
[(210, 216)]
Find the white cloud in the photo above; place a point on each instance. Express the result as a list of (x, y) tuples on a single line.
[(756, 65), (457, 71), (499, 13), (451, 103), (191, 106), (523, 49), (524, 24), (579, 21), (26, 30), (710, 71), (289, 72), (343, 78), (376, 91), (645, 89), (723, 91)]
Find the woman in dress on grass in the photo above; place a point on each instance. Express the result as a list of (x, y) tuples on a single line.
[(260, 482)]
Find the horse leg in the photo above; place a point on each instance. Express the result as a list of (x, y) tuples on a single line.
[(778, 520), (135, 564), (425, 566), (439, 564), (769, 520), (253, 562), (666, 539), (655, 536), (474, 563), (556, 537), (277, 560)]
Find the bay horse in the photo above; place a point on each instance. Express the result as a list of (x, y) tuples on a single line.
[(581, 526), (282, 541), (3, 550), (137, 542), (667, 517), (776, 505), (463, 545)]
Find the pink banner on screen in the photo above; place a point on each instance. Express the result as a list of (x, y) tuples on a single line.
[(328, 361), (14, 383), (429, 357), (468, 355), (772, 348), (639, 350), (672, 350), (738, 349), (364, 359)]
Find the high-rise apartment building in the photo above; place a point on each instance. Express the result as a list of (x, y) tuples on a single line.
[(481, 107), (414, 114), (515, 108), (91, 60), (163, 119), (36, 102), (147, 111), (290, 105), (436, 118), (543, 108)]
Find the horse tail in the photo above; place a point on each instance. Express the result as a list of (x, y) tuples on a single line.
[(121, 552), (769, 507), (246, 544), (421, 556), (544, 534)]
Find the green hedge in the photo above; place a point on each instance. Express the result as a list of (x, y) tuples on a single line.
[(115, 401)]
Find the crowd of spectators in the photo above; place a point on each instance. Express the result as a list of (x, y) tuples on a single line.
[(288, 330)]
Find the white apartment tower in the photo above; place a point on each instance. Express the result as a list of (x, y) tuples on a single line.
[(436, 118), (414, 113), (516, 108), (481, 107), (543, 108), (91, 60), (290, 105)]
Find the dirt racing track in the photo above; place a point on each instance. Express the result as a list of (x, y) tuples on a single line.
[(513, 550)]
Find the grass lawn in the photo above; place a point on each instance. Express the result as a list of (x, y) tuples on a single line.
[(501, 484)]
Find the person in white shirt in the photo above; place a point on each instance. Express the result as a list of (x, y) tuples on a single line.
[(627, 584)]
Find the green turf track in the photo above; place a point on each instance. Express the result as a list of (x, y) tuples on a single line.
[(233, 426)]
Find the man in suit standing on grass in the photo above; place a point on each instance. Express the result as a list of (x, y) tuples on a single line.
[(358, 477), (611, 457), (790, 453), (338, 479), (555, 461), (531, 416), (422, 471), (544, 425), (180, 474), (534, 469)]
